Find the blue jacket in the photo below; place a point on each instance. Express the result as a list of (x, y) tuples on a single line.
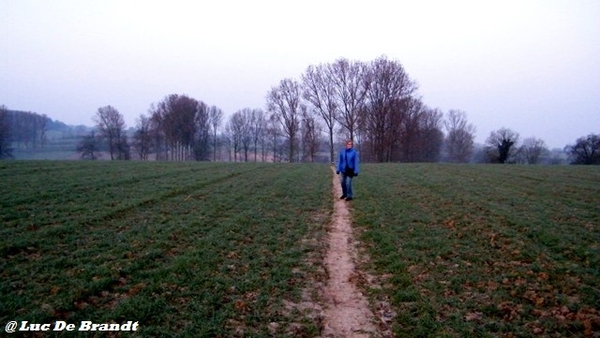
[(348, 159)]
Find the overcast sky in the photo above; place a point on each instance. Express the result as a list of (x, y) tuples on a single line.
[(531, 66)]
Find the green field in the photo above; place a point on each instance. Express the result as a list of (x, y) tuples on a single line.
[(484, 250), (186, 249), (223, 249)]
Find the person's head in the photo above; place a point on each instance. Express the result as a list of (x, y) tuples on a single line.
[(349, 144)]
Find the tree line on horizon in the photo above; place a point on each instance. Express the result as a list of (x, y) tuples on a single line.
[(375, 103)]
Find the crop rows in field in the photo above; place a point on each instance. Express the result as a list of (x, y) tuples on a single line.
[(192, 249), (221, 249), (484, 250)]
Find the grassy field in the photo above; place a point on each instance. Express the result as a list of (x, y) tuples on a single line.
[(186, 249), (484, 250), (222, 249)]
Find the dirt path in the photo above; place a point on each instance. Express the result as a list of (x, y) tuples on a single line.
[(346, 312)]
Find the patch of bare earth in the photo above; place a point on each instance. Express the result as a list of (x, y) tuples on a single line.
[(346, 310), (332, 301)]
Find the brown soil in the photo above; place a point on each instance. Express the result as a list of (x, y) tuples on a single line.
[(346, 310)]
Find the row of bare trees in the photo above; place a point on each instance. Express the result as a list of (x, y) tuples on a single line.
[(27, 129), (377, 105), (374, 103), (504, 146), (21, 130), (178, 128), (253, 133), (244, 130)]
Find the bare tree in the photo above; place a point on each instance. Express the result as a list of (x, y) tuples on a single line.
[(111, 125), (239, 127), (311, 139), (532, 150), (586, 150), (201, 143), (501, 145), (215, 116), (5, 137), (460, 137), (179, 115), (389, 84), (142, 138), (157, 132), (319, 92), (431, 135), (274, 132), (234, 137), (89, 147), (409, 112), (350, 84), (283, 102), (229, 141), (182, 126), (257, 128), (42, 127)]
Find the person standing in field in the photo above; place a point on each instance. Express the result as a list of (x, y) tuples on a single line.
[(348, 168)]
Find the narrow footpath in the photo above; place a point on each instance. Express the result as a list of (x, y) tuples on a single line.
[(346, 311)]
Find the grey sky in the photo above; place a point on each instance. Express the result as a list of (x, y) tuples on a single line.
[(531, 66)]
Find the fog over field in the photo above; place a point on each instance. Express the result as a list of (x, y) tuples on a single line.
[(528, 66)]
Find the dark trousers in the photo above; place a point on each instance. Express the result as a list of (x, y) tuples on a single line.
[(346, 181)]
